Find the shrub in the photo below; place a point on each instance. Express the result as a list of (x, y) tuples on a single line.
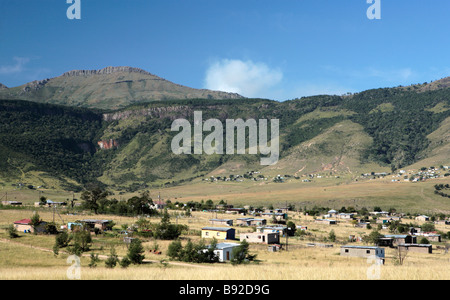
[(424, 241), (241, 254), (125, 262), (12, 232), (135, 252), (62, 239), (94, 260), (112, 260)]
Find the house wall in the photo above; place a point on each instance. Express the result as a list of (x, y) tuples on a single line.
[(258, 237), (29, 228), (23, 228), (362, 252), (221, 235), (418, 249), (221, 222), (225, 254)]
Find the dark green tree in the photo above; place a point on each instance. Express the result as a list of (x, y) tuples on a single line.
[(93, 198), (241, 254), (135, 252)]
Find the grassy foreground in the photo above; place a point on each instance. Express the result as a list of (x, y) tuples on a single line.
[(30, 257)]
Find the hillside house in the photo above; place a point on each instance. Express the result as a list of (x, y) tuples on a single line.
[(224, 222), (362, 251), (261, 237), (220, 233), (25, 226)]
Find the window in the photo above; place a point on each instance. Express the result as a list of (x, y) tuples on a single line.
[(368, 251), (346, 250), (207, 233)]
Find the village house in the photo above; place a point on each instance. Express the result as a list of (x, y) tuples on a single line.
[(332, 213), (250, 222), (158, 204), (347, 216), (430, 236), (93, 223), (422, 218), (261, 237), (220, 233), (278, 216), (419, 248), (362, 251), (25, 226), (402, 239), (235, 210), (225, 222), (326, 221), (380, 213), (73, 226), (280, 229), (12, 203), (224, 251)]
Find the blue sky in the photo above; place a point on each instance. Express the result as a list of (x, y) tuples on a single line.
[(259, 48)]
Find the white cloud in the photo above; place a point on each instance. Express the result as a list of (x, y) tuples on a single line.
[(18, 67), (246, 78)]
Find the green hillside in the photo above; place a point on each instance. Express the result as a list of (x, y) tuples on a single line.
[(377, 130)]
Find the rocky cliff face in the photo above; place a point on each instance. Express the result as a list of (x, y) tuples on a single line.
[(34, 85), (2, 86), (108, 144), (104, 71)]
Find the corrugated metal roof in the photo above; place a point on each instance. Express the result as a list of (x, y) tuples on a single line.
[(360, 247), (217, 228), (226, 245)]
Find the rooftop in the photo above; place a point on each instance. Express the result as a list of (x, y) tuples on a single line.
[(360, 247), (23, 222), (217, 228)]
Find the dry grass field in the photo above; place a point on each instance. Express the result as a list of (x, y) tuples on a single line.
[(30, 256)]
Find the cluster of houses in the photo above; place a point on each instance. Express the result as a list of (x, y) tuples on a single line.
[(270, 235), (25, 225), (404, 241)]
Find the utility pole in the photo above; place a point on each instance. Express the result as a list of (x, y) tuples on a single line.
[(287, 230)]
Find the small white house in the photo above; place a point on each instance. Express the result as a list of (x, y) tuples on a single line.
[(225, 251)]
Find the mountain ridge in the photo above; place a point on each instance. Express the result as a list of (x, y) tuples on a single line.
[(108, 88)]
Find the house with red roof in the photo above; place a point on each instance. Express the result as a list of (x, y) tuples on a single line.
[(25, 226)]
